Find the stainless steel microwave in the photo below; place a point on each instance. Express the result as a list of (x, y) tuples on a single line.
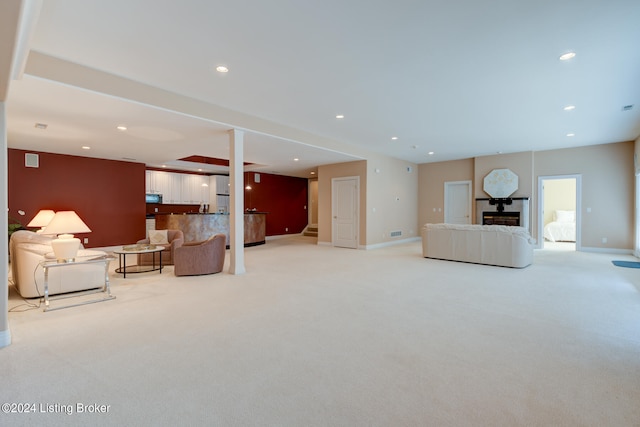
[(153, 198)]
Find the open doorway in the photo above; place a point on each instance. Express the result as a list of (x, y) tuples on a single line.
[(559, 212), (313, 202)]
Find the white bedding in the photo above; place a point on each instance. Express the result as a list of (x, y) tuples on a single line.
[(560, 231), (562, 228)]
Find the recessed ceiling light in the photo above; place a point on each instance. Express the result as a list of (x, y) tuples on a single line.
[(222, 69), (121, 128), (569, 108), (340, 116), (431, 153), (571, 134), (85, 147), (164, 166), (394, 138), (296, 159), (41, 126), (313, 173), (567, 56)]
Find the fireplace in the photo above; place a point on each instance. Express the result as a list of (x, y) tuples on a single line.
[(512, 211), (501, 218)]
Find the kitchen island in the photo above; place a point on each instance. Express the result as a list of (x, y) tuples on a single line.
[(200, 226)]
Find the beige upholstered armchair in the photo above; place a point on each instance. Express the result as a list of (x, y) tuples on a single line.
[(174, 239), (195, 258)]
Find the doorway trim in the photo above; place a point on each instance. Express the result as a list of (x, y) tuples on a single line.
[(540, 219), (447, 185)]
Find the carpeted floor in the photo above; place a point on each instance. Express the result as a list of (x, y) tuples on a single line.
[(320, 336)]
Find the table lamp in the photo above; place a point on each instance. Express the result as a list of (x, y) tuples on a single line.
[(42, 219), (64, 224)]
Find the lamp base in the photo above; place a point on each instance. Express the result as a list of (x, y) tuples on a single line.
[(65, 249)]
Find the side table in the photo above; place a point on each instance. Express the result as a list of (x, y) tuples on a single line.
[(106, 289)]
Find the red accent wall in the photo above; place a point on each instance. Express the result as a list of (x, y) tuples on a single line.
[(285, 199), (108, 195)]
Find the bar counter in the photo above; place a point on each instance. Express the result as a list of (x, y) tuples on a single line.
[(201, 226)]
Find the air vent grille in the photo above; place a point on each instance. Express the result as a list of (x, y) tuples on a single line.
[(397, 233), (627, 107), (31, 160)]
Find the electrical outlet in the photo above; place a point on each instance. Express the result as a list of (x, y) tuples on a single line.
[(86, 240), (604, 240)]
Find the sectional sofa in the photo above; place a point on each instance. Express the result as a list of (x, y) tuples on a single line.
[(499, 245)]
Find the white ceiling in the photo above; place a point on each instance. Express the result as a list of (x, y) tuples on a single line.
[(458, 78)]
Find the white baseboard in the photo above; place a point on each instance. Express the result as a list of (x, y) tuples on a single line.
[(607, 250), (5, 338), (378, 245), (391, 243), (281, 236)]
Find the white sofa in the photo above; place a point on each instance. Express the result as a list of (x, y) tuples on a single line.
[(481, 244), (28, 249)]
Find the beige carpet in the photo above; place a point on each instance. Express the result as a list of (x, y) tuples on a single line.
[(319, 336)]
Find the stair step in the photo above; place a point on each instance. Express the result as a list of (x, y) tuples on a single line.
[(312, 230)]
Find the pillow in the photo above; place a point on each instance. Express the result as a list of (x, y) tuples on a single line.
[(158, 237), (566, 216)]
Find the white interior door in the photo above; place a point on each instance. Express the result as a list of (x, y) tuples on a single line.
[(345, 210), (457, 202)]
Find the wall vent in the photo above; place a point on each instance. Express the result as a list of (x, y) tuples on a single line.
[(627, 107), (397, 233), (31, 160)]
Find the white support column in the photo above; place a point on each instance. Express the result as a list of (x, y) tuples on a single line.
[(5, 333), (236, 201)]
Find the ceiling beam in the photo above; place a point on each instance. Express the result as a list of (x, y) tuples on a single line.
[(72, 74), (17, 23), (9, 24)]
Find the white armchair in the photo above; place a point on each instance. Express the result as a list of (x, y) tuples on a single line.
[(28, 249)]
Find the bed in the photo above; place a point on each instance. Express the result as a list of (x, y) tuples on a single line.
[(562, 228)]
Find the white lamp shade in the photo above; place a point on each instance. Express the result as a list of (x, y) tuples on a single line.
[(42, 218), (66, 222)]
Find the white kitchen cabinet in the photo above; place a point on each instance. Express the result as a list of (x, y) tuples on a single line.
[(203, 186), (148, 186), (222, 184), (161, 185), (186, 186), (179, 188), (193, 190), (175, 189), (218, 193)]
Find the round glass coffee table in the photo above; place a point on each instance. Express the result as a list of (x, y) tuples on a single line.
[(138, 249)]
